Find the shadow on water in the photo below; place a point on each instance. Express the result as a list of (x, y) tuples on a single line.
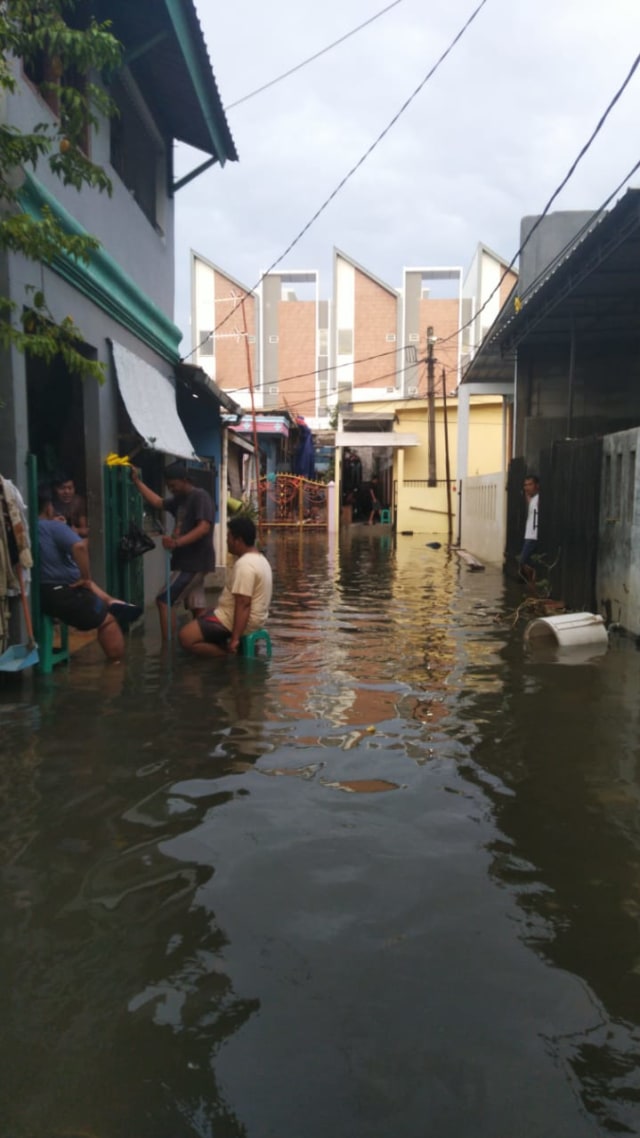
[(385, 882)]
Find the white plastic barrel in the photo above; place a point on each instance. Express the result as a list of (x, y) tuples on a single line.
[(568, 630)]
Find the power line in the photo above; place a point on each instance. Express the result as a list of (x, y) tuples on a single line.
[(311, 58), (558, 189), (347, 176)]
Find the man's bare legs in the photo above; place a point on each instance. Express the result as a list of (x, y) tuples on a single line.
[(192, 640), (111, 638), (163, 616)]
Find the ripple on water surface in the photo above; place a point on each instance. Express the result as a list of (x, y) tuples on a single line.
[(384, 882)]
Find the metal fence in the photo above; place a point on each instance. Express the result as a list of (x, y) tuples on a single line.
[(288, 500)]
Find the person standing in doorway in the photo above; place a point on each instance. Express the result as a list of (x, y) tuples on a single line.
[(532, 495), (69, 506), (190, 544)]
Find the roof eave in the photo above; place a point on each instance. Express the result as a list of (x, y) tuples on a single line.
[(188, 33)]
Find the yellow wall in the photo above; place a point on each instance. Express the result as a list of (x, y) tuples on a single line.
[(423, 508), (486, 432)]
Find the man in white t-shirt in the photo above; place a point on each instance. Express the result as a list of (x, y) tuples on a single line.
[(532, 495), (244, 602)]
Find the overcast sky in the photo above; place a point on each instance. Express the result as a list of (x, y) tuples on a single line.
[(485, 142)]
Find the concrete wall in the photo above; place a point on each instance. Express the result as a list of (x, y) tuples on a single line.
[(142, 250), (618, 569), (555, 232)]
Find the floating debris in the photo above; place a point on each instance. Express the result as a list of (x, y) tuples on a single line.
[(356, 736), (362, 785), (307, 772)]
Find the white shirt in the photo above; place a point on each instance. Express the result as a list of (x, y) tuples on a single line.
[(531, 528)]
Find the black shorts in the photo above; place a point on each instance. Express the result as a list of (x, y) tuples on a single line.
[(213, 631), (79, 607)]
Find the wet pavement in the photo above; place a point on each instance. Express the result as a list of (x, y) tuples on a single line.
[(386, 883)]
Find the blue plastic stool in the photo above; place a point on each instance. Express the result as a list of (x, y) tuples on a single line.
[(50, 656), (385, 517), (249, 642)]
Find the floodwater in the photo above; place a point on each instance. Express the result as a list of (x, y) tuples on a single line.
[(387, 883)]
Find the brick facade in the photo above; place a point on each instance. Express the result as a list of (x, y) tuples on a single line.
[(376, 312), (232, 358), (297, 355), (444, 317)]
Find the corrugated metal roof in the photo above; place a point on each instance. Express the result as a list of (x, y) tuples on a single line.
[(166, 53), (592, 287)]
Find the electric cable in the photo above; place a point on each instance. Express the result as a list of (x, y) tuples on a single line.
[(518, 252), (311, 58), (558, 189), (350, 173), (404, 347)]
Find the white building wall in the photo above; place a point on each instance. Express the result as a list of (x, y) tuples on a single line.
[(345, 312), (204, 314), (483, 517)]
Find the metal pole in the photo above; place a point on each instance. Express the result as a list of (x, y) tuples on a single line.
[(447, 465), (431, 408)]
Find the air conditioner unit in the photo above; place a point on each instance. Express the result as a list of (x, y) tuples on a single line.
[(412, 389)]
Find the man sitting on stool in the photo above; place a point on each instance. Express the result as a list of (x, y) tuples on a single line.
[(67, 592), (244, 602)]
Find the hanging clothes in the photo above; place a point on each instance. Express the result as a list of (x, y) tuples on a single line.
[(15, 512), (15, 548)]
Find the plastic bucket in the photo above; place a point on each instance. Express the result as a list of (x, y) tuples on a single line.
[(568, 630)]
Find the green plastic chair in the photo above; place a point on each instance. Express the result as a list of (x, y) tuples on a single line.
[(250, 641), (50, 656)]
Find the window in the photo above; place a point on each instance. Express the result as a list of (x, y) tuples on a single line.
[(345, 341), (205, 343), (390, 337), (136, 149)]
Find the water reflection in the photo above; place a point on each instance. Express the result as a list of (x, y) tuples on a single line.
[(386, 881)]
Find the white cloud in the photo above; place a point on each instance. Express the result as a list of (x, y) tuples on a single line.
[(485, 142)]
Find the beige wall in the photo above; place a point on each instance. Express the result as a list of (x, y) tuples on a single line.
[(423, 508)]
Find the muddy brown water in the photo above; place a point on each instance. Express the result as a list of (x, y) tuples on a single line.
[(387, 883)]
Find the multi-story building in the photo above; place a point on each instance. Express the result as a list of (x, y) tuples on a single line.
[(122, 297)]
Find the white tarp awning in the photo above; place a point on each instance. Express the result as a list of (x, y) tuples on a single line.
[(150, 399), (357, 439)]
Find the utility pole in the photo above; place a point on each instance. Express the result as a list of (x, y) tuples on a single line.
[(431, 407), (447, 464)]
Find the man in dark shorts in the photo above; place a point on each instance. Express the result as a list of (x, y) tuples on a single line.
[(191, 542), (67, 592), (243, 605)]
